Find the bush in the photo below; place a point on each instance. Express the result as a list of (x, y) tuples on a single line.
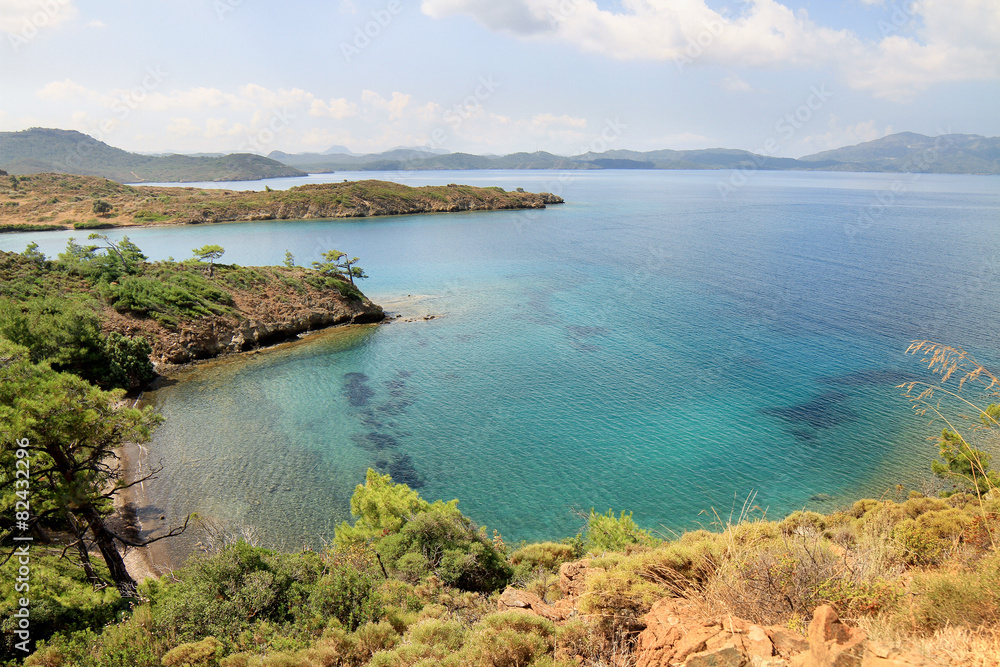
[(94, 224), (509, 639), (605, 532), (348, 594), (443, 542), (206, 652), (226, 594), (542, 556)]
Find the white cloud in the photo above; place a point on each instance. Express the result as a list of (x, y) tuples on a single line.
[(26, 17), (394, 106), (921, 43), (96, 23), (336, 108)]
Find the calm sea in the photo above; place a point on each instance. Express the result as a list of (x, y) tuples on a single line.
[(662, 343)]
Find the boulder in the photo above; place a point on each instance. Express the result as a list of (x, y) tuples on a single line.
[(530, 603), (573, 577)]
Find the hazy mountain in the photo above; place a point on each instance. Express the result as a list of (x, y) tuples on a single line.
[(66, 151), (910, 152), (954, 153)]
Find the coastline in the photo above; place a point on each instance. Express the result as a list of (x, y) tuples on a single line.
[(158, 559)]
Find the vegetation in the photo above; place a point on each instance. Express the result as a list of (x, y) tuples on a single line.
[(69, 430), (339, 264), (62, 201)]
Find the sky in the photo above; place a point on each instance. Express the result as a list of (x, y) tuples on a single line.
[(785, 78)]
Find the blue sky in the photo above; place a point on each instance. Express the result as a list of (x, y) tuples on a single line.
[(497, 76)]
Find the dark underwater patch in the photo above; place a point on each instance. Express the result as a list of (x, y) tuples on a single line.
[(357, 389), (400, 467), (824, 411)]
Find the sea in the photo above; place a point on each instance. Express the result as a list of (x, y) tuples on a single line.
[(687, 346)]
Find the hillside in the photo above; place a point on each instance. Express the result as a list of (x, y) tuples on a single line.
[(890, 583), (62, 201), (184, 310), (39, 150), (953, 153), (909, 152)]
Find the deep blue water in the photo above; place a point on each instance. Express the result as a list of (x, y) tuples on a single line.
[(651, 345)]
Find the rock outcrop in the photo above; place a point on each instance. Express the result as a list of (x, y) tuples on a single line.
[(678, 634), (280, 312)]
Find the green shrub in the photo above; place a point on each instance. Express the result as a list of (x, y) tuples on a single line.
[(509, 639), (348, 594), (95, 224), (542, 556), (443, 542), (605, 532), (206, 652), (225, 594)]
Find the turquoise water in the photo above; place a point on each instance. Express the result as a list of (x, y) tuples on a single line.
[(651, 345)]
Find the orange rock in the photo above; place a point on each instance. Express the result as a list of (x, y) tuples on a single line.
[(513, 598), (573, 577)]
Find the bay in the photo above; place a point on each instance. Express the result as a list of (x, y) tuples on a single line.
[(665, 342)]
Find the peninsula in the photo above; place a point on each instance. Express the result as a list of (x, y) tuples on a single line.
[(63, 201)]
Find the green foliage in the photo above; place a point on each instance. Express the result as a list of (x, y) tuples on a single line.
[(509, 639), (542, 556), (417, 538), (63, 332), (969, 468), (339, 264), (969, 599), (102, 207), (209, 253), (289, 259), (606, 532), (381, 508), (226, 594), (62, 600), (27, 227), (196, 654), (168, 296), (94, 224), (443, 542), (128, 361)]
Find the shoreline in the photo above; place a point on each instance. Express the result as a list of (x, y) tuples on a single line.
[(156, 560)]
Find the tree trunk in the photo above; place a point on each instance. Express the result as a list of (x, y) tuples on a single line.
[(109, 550), (81, 547)]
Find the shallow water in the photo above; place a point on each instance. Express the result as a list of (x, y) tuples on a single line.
[(651, 345)]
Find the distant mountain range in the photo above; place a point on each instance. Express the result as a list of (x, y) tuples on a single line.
[(41, 150), (66, 151), (903, 152)]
